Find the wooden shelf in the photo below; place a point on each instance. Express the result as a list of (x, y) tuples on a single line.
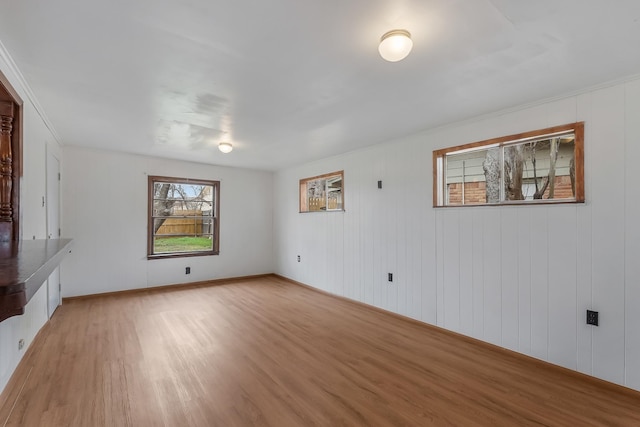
[(23, 269)]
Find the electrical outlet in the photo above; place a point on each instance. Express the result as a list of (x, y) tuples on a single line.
[(379, 184), (592, 318), (390, 277), (298, 258), (187, 270), (20, 344)]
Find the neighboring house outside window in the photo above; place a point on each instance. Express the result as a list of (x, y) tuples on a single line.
[(544, 166)]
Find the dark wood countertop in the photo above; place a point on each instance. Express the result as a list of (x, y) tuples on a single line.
[(23, 269)]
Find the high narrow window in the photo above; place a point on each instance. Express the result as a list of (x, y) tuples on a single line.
[(184, 217), (543, 166), (322, 193)]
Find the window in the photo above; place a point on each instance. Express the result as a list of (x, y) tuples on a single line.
[(543, 166), (322, 193), (184, 217)]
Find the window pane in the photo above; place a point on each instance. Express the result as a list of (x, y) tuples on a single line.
[(465, 177), (322, 193), (184, 210), (182, 226), (543, 166), (548, 168), (170, 197), (334, 193), (182, 244), (183, 216), (316, 196)]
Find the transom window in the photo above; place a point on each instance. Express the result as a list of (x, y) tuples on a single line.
[(543, 166), (183, 217)]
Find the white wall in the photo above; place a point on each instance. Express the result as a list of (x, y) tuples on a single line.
[(105, 212), (37, 138), (519, 277)]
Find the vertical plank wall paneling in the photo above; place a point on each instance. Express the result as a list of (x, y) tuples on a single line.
[(584, 249), (401, 218), (539, 244), (632, 235), (363, 218), (492, 298), (335, 250), (477, 237), (520, 277), (524, 280), (391, 237), (584, 332), (351, 248), (562, 286), (378, 232), (605, 136), (466, 271), (408, 256), (451, 266), (439, 268), (509, 278), (426, 217), (368, 200)]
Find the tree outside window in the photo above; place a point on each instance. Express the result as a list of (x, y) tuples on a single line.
[(183, 217), (544, 166)]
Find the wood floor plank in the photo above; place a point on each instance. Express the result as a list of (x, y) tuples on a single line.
[(266, 352)]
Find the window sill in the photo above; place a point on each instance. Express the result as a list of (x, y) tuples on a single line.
[(322, 211), (517, 203), (181, 255)]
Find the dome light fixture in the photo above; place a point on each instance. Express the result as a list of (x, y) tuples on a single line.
[(225, 147), (395, 45)]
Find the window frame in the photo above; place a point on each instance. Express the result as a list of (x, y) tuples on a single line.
[(439, 172), (152, 179), (325, 176)]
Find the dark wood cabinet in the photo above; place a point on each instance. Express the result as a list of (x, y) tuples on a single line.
[(24, 266)]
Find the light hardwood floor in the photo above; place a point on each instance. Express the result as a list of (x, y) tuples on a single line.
[(267, 352)]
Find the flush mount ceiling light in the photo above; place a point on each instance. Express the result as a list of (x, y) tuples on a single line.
[(225, 147), (395, 45)]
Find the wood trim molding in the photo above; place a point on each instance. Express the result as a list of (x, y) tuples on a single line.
[(539, 364), (508, 138), (579, 162)]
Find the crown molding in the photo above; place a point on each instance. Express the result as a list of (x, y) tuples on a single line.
[(26, 89)]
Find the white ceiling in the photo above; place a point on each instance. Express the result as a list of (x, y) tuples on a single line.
[(288, 81)]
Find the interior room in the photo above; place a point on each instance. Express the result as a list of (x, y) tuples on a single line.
[(319, 213)]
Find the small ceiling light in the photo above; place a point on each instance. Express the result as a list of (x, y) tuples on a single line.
[(225, 147), (395, 45)]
